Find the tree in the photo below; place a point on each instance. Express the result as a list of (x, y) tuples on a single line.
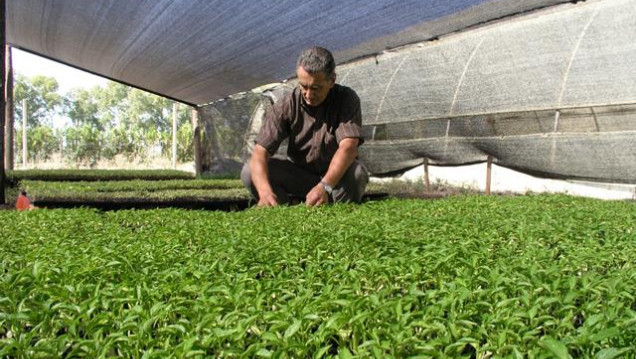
[(43, 101), (83, 144), (112, 102), (185, 137), (106, 122), (43, 104), (82, 108), (42, 142), (151, 116), (84, 139)]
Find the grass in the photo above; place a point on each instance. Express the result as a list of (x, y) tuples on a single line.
[(466, 276)]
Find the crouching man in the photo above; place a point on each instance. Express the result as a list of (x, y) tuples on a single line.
[(322, 121)]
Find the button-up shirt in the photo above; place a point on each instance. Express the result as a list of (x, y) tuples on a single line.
[(313, 132)]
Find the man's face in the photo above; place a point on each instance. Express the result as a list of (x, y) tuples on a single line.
[(314, 87)]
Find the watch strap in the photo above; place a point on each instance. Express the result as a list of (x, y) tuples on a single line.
[(326, 186)]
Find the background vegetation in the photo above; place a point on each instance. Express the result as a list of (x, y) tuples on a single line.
[(85, 126)]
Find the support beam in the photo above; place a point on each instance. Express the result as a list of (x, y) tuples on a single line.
[(9, 121), (174, 135), (426, 175), (488, 174), (25, 117), (3, 104), (196, 130)]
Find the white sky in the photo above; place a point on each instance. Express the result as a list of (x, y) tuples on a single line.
[(68, 77)]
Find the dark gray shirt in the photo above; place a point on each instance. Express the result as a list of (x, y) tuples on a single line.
[(313, 132)]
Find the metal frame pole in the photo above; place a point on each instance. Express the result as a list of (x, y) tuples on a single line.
[(488, 174), (426, 175), (3, 103)]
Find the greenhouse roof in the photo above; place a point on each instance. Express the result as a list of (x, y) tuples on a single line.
[(197, 52)]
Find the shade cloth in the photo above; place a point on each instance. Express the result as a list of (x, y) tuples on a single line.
[(199, 51), (551, 93)]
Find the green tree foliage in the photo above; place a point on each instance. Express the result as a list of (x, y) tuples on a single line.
[(106, 121), (42, 142), (83, 144), (43, 99), (119, 120), (43, 104), (185, 136), (83, 108)]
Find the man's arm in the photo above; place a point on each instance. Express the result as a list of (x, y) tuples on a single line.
[(259, 171), (343, 158)]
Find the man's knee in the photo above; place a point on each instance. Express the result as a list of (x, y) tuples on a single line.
[(361, 179), (353, 184)]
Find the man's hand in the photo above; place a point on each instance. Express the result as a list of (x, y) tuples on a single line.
[(267, 200), (317, 196), (259, 169)]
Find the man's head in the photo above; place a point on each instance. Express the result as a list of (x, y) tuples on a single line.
[(316, 74)]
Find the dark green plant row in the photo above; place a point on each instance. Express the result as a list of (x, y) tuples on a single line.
[(143, 195), (467, 276), (165, 190), (96, 175), (151, 191), (52, 189)]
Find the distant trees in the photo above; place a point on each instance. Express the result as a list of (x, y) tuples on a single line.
[(43, 99), (100, 123), (43, 103)]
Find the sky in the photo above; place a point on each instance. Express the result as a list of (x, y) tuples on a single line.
[(68, 77)]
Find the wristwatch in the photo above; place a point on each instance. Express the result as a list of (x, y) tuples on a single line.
[(327, 187)]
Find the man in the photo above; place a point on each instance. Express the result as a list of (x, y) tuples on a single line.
[(322, 121)]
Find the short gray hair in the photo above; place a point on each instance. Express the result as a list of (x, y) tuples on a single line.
[(317, 59)]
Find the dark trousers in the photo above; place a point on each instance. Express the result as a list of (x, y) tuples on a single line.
[(290, 181)]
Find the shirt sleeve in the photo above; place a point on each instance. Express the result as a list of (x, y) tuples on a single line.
[(350, 119), (275, 128)]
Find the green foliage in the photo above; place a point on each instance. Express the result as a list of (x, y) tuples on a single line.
[(83, 144), (42, 142), (83, 108), (121, 120), (185, 142), (194, 189), (96, 175), (130, 185), (527, 277), (43, 101), (43, 104), (106, 121)]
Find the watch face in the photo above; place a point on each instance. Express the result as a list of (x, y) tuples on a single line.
[(327, 187)]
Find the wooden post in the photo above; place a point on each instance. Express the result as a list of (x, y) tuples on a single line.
[(9, 123), (174, 135), (3, 104), (25, 116), (196, 130), (488, 174), (426, 175)]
